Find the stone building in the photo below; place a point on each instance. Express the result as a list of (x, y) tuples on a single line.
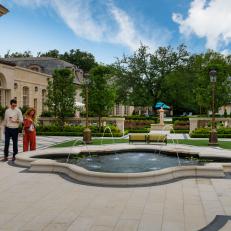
[(26, 79)]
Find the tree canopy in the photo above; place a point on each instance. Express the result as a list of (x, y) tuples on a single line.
[(101, 92), (61, 94)]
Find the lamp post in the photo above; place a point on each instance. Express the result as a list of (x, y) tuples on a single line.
[(87, 131), (213, 133)]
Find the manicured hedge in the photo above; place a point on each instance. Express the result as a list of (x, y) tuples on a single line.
[(78, 134), (137, 117), (75, 130), (179, 131), (180, 118), (194, 135), (204, 133), (138, 130)]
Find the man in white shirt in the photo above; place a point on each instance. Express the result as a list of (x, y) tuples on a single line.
[(13, 117)]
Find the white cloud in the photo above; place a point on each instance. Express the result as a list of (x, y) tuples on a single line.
[(80, 16), (77, 15), (210, 19)]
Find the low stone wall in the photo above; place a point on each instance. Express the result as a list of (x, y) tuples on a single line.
[(203, 122)]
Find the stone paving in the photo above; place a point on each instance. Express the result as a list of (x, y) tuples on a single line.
[(42, 142), (45, 201), (35, 201)]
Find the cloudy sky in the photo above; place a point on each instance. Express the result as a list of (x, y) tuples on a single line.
[(111, 28)]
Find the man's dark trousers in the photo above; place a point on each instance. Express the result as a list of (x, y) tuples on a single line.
[(11, 133)]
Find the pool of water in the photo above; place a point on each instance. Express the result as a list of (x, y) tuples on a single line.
[(128, 162)]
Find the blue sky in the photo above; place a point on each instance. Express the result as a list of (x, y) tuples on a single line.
[(111, 28)]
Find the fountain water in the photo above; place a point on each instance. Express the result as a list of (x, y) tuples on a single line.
[(79, 140), (105, 129), (173, 140)]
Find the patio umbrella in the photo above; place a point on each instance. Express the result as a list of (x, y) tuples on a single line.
[(160, 105)]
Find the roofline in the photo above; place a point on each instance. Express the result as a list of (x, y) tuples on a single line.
[(36, 72), (3, 10), (7, 62)]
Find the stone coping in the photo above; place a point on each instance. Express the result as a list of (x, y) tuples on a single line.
[(28, 159)]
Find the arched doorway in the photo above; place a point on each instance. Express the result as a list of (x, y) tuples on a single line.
[(3, 91)]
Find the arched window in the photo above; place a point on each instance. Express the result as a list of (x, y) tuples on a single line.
[(25, 94), (15, 86), (35, 89), (35, 68), (44, 93)]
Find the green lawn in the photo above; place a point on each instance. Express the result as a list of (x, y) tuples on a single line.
[(94, 142), (222, 144)]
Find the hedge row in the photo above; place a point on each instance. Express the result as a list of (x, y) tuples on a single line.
[(73, 129), (138, 130), (180, 118), (180, 131), (137, 117), (77, 134), (201, 135)]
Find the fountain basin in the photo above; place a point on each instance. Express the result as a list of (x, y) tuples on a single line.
[(35, 163)]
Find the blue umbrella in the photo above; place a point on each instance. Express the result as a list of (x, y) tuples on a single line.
[(160, 105)]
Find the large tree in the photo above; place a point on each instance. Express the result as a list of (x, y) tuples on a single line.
[(101, 92), (142, 73), (84, 60), (200, 67), (61, 94)]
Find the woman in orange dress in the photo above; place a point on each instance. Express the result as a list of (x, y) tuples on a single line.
[(29, 137)]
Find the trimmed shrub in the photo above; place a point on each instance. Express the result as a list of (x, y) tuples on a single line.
[(180, 118), (180, 131), (77, 134), (138, 117), (138, 130), (204, 133)]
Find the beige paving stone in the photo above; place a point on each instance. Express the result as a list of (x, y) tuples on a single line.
[(35, 201), (150, 222), (101, 228), (81, 224), (127, 225), (56, 227), (173, 226)]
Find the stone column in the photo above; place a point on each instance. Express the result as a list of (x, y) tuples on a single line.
[(161, 111)]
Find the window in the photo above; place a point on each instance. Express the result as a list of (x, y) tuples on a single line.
[(44, 92), (15, 86), (35, 104), (35, 68), (0, 83), (36, 89), (25, 93), (126, 110), (117, 109)]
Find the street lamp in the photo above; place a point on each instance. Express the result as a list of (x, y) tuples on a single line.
[(87, 131), (213, 133)]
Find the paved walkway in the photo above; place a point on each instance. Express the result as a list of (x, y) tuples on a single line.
[(44, 201), (42, 142), (35, 201)]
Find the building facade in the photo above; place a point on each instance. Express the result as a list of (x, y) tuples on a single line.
[(26, 80)]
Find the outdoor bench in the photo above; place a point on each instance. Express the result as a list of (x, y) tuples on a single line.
[(137, 137), (148, 138), (156, 138)]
